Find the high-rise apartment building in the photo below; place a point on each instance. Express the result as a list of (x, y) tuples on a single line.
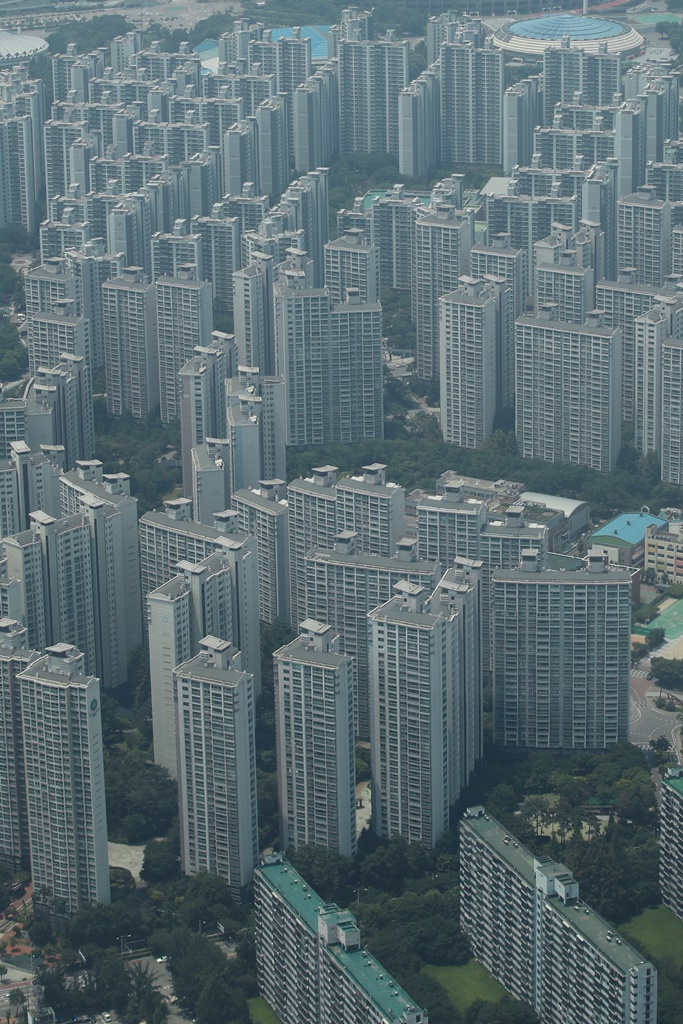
[(373, 508), (253, 312), (263, 514), (330, 355), (64, 774), (71, 575), (413, 654), (315, 741), (14, 659), (372, 74), (521, 115), (451, 527), (672, 411), (312, 505), (621, 303), (568, 70), (202, 398), (170, 537), (671, 841), (472, 326), (131, 352), (419, 129), (315, 119), (565, 275), (561, 654), (51, 337), (443, 237), (216, 713), (352, 263), (88, 481), (195, 603), (184, 320), (527, 925), (644, 235), (652, 329), (19, 171), (343, 585), (471, 95), (568, 390)]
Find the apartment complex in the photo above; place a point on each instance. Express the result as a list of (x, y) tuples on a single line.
[(64, 776), (561, 654), (671, 841), (310, 964), (215, 706), (315, 741), (527, 925)]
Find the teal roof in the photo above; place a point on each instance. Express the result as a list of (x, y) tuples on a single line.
[(368, 974), (628, 528), (316, 33), (557, 26), (675, 782)]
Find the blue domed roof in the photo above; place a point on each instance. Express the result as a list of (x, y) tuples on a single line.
[(557, 26)]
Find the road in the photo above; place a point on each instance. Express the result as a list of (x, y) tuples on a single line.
[(647, 721), (175, 15)]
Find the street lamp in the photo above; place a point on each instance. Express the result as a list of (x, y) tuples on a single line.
[(123, 941)]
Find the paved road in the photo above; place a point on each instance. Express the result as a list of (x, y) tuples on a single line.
[(647, 721), (162, 976)]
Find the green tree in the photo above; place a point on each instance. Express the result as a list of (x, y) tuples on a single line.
[(161, 861), (668, 672)]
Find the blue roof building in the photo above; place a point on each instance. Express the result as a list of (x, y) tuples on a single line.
[(623, 538)]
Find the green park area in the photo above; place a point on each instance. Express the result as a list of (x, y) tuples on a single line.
[(670, 620), (465, 984), (260, 1012), (658, 932)]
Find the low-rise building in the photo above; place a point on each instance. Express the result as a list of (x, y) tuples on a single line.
[(623, 538), (664, 550)]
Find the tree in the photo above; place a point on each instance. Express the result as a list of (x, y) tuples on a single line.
[(655, 638), (222, 1003), (668, 672), (536, 809), (17, 1001), (161, 862)]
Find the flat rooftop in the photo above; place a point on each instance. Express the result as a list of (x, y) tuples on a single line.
[(369, 975), (581, 917)]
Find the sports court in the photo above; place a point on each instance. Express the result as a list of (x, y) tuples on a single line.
[(670, 620)]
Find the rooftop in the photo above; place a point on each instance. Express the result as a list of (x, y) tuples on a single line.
[(532, 36), (557, 26), (674, 780), (369, 975), (316, 33), (580, 917), (626, 529), (566, 505), (16, 47)]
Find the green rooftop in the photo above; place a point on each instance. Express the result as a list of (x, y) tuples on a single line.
[(369, 975), (282, 877), (674, 780), (582, 918), (378, 985)]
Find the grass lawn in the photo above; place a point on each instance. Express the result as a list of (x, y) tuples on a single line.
[(260, 1012), (658, 932), (466, 984)]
